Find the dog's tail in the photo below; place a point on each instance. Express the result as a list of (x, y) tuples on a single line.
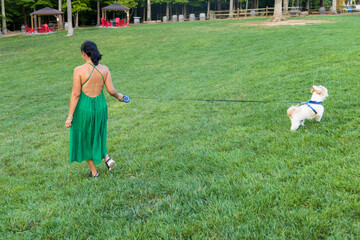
[(291, 110)]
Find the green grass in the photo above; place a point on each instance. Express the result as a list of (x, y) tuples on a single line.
[(186, 169)]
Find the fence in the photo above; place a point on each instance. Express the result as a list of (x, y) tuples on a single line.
[(292, 11), (241, 12)]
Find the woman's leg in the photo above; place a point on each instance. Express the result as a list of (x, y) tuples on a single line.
[(92, 167)]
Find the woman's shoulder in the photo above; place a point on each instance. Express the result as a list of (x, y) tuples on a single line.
[(103, 67), (80, 68)]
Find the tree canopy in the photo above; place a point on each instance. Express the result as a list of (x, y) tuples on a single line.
[(17, 11)]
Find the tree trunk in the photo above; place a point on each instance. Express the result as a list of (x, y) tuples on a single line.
[(286, 6), (208, 10), (69, 19), (277, 12), (218, 5), (297, 3), (98, 13), (231, 9), (76, 19), (167, 10), (144, 13), (321, 3), (308, 5), (246, 7), (61, 24), (25, 18), (148, 10), (35, 21), (4, 29), (333, 7), (185, 13)]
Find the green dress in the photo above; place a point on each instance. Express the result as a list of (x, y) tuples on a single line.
[(89, 127)]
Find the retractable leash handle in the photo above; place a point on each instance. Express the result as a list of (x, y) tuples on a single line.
[(125, 99)]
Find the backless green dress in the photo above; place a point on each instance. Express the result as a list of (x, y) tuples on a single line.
[(89, 127)]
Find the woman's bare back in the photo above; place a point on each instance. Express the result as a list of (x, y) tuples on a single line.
[(92, 86)]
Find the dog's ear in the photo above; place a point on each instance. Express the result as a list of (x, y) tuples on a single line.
[(316, 89)]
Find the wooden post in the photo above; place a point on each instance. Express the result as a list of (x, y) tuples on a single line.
[(32, 22), (266, 11), (39, 20), (57, 21), (238, 12)]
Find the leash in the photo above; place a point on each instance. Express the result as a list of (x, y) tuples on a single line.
[(214, 100)]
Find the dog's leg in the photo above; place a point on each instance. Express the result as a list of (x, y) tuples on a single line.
[(318, 117), (302, 122), (294, 125)]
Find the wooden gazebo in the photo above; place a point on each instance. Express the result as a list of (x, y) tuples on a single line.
[(116, 7), (47, 12)]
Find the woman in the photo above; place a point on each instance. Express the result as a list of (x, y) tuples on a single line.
[(88, 110)]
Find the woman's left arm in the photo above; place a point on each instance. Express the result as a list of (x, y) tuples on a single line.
[(74, 96)]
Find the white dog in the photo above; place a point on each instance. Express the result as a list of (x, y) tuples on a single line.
[(312, 108)]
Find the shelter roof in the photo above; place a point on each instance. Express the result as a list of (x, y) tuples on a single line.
[(46, 11), (115, 7)]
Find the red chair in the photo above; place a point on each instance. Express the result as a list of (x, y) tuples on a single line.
[(51, 29), (117, 21), (44, 28), (105, 23), (29, 30), (121, 24)]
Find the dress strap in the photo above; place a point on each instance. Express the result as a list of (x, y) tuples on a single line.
[(98, 72), (88, 77)]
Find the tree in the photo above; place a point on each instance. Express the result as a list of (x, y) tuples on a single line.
[(4, 29), (79, 5), (208, 9), (148, 10), (231, 7), (60, 16), (69, 15), (333, 7), (286, 6), (277, 17), (98, 12)]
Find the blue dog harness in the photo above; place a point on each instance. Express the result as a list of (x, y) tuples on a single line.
[(313, 102)]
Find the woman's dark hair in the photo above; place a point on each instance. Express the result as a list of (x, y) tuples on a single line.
[(91, 50)]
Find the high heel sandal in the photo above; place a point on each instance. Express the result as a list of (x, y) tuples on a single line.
[(96, 175)]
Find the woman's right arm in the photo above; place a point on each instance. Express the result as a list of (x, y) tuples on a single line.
[(110, 87), (75, 94)]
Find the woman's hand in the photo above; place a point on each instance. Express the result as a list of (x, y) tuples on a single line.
[(68, 122), (120, 97)]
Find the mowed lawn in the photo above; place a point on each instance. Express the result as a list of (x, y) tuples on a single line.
[(186, 169)]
